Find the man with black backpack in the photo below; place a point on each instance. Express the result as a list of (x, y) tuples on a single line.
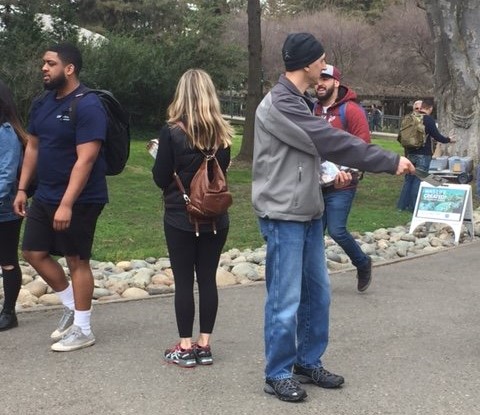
[(418, 150), (69, 161)]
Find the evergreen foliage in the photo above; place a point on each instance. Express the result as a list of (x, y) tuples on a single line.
[(150, 44)]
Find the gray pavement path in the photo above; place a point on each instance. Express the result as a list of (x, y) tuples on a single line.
[(409, 345)]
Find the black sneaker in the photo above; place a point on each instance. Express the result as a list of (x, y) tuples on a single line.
[(288, 389), (8, 320), (181, 357), (364, 276), (319, 376), (203, 355)]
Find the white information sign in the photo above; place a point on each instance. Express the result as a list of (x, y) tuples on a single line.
[(450, 204)]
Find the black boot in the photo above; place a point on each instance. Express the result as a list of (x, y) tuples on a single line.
[(364, 276), (8, 320)]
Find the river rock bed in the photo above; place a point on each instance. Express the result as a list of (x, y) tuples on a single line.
[(141, 278)]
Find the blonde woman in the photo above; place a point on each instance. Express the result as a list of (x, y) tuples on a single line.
[(195, 126)]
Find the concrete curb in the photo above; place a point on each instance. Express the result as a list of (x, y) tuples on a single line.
[(43, 308)]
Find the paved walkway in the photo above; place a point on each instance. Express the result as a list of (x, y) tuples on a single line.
[(409, 345)]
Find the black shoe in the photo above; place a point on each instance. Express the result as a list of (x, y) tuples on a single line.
[(203, 355), (181, 357), (287, 389), (364, 276), (319, 376), (8, 320)]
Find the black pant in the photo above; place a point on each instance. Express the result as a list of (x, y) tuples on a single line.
[(192, 255), (12, 278)]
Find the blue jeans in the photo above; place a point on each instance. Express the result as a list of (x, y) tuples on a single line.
[(408, 195), (337, 208), (298, 296)]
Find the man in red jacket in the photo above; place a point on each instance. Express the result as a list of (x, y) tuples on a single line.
[(337, 104)]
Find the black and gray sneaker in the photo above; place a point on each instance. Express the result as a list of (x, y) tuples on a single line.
[(203, 355), (364, 276), (288, 389), (319, 376), (181, 357)]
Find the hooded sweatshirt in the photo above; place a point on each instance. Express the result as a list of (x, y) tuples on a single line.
[(356, 122), (288, 141)]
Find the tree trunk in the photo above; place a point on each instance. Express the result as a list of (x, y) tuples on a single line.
[(254, 88), (456, 33)]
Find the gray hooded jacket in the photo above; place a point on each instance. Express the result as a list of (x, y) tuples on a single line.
[(289, 140)]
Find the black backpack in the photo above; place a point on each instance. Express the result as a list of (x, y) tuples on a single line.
[(117, 140)]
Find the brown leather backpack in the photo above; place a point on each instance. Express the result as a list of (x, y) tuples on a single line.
[(209, 196)]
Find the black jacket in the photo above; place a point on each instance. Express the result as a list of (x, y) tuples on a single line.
[(175, 154)]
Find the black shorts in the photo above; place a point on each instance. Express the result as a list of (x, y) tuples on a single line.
[(77, 240), (9, 237)]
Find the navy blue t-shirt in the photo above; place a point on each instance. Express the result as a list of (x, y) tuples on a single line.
[(58, 138)]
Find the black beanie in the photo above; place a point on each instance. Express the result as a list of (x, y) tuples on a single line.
[(300, 50)]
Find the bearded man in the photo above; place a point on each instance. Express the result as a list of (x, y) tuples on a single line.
[(68, 159)]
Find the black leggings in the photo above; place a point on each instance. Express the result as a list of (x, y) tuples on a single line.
[(12, 278), (190, 255)]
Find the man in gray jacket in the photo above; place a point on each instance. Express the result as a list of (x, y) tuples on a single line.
[(289, 140)]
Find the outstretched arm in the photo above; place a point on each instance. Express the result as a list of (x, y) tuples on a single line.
[(432, 130)]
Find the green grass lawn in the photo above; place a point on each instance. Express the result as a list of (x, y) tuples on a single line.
[(376, 199), (131, 224)]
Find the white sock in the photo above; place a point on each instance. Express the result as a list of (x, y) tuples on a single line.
[(66, 296), (82, 320)]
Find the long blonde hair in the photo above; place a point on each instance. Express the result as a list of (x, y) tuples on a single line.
[(196, 105)]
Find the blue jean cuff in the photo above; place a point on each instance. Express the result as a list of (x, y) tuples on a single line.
[(279, 378)]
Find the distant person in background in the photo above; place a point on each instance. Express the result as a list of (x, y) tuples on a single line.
[(421, 157), (417, 105), (376, 118), (12, 138), (194, 127), (337, 104)]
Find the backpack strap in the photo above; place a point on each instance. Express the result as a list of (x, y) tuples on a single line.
[(343, 114), (181, 187), (73, 106), (181, 125), (187, 202)]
